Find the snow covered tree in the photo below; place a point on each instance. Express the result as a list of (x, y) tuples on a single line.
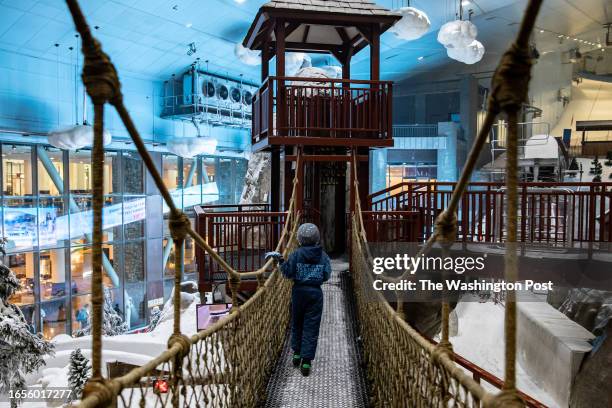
[(112, 323), (596, 170), (21, 351), (79, 372), (155, 316), (608, 161)]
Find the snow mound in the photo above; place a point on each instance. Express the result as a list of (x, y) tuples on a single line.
[(480, 339)]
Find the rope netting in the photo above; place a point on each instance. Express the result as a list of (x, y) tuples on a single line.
[(405, 368), (229, 363)]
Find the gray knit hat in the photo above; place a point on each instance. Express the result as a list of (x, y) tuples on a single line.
[(308, 234)]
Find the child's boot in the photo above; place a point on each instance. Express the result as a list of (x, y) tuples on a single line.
[(305, 367), (296, 359)]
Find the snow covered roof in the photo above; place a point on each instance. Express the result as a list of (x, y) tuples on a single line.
[(364, 7)]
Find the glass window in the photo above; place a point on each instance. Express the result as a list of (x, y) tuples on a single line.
[(210, 193), (22, 265), (53, 226), (81, 218), (134, 212), (53, 318), (52, 273), (80, 175), (135, 304), (81, 312), (17, 170), (50, 171), (30, 317), (80, 172), (192, 191), (133, 175), (173, 178), (20, 223), (134, 261), (81, 268)]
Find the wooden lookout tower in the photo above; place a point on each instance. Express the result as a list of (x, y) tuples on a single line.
[(328, 119)]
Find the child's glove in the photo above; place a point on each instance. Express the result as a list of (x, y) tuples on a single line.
[(275, 255)]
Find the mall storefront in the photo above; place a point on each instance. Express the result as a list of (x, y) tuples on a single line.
[(46, 217)]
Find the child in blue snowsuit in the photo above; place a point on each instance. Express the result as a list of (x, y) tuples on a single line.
[(308, 267)]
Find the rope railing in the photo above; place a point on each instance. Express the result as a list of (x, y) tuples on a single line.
[(229, 363), (432, 378), (225, 365)]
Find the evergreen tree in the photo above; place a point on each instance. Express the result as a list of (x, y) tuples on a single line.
[(21, 351), (609, 158), (596, 170), (112, 323), (78, 372)]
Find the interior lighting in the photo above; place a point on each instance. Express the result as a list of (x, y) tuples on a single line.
[(466, 3), (420, 58)]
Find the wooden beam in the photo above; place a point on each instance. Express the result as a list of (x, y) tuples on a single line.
[(366, 32), (343, 34), (264, 35), (326, 158), (375, 53), (327, 141), (313, 47), (306, 32), (291, 27)]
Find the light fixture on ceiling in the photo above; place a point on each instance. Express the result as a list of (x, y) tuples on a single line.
[(466, 3), (240, 1), (247, 56), (189, 24), (413, 25), (421, 58), (459, 39)]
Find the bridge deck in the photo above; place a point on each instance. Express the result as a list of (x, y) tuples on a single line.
[(337, 378)]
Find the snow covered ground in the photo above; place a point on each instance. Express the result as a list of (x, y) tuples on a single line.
[(480, 339), (134, 349)]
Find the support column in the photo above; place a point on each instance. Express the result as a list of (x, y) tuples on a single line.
[(275, 180)]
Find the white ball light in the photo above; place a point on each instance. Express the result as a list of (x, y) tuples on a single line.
[(76, 137), (247, 56), (413, 24), (468, 55), (191, 146), (457, 34)]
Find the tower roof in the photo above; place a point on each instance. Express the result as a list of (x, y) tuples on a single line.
[(320, 25), (355, 7)]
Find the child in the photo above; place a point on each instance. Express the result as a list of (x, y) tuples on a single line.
[(308, 267)]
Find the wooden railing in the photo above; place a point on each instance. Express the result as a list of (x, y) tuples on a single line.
[(240, 237), (322, 108), (549, 213), (392, 226)]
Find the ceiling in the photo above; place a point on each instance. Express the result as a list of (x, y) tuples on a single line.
[(151, 38)]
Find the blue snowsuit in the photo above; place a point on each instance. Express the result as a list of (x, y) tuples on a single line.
[(308, 267)]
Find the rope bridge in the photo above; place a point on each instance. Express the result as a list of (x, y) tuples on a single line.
[(230, 362)]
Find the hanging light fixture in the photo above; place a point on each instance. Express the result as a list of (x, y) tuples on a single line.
[(247, 56), (413, 25), (80, 135), (468, 55), (459, 39), (189, 147)]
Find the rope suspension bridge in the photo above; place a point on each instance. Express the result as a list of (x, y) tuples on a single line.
[(230, 363)]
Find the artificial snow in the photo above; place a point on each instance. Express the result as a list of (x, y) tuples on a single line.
[(413, 25), (480, 339)]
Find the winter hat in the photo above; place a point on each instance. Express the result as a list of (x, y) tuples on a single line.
[(308, 234)]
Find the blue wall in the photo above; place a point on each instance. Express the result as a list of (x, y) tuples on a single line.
[(31, 97)]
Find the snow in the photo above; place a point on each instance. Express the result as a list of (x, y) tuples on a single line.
[(480, 339), (136, 349)]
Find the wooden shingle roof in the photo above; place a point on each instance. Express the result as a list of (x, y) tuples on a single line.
[(355, 7)]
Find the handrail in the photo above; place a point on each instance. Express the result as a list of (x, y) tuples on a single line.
[(338, 80)]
